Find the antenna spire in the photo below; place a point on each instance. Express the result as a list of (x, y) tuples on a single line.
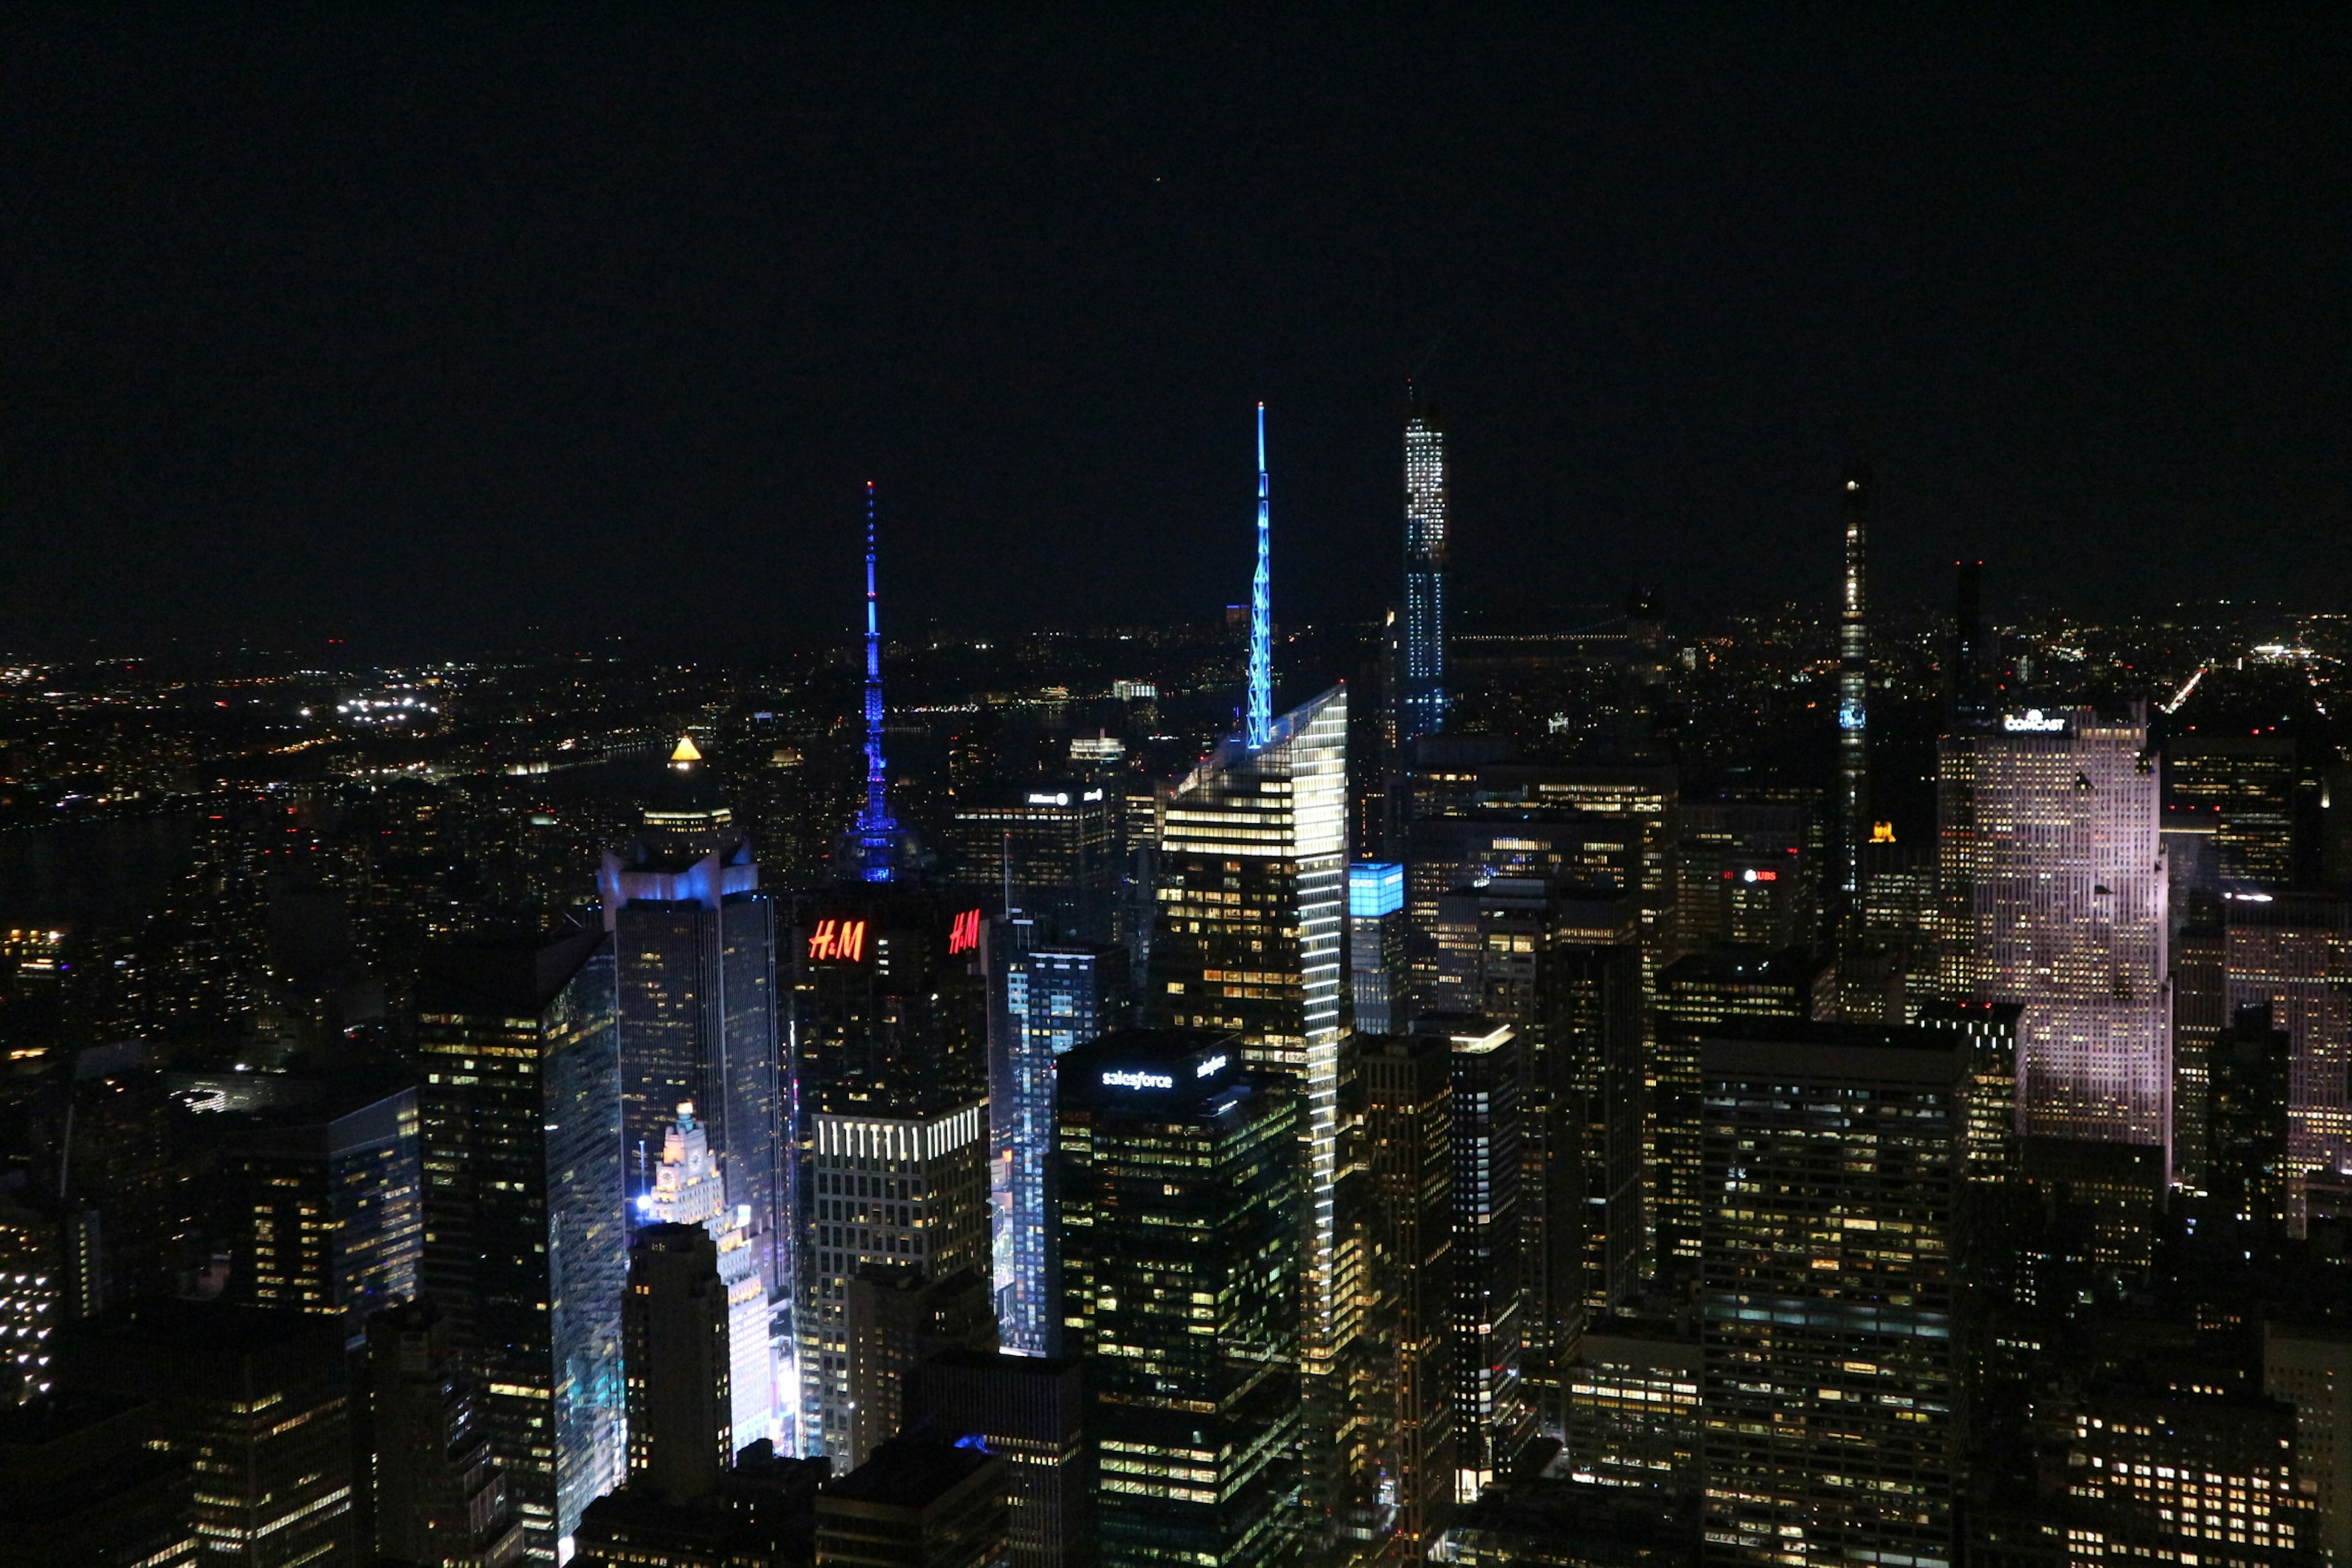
[(1258, 724), (878, 830)]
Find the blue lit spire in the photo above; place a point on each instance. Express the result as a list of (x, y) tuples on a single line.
[(878, 830), (1258, 724)]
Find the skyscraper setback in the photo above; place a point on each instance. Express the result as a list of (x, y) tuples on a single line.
[(1421, 690)]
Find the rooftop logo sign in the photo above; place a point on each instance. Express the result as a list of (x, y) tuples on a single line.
[(1129, 1078)]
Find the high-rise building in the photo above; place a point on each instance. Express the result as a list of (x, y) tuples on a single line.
[(897, 1319), (1250, 939), (1377, 973), (898, 1180), (438, 1493), (525, 1230), (1852, 827), (1049, 850), (2292, 954), (2055, 893), (1833, 1156), (1409, 1152), (2311, 1369), (917, 1503), (674, 1336), (690, 1189), (2162, 1474), (2248, 1125), (2250, 781), (1698, 994), (876, 848), (889, 983), (255, 1400), (87, 1481), (332, 1214), (1421, 690), (761, 1511), (1741, 874), (1055, 998), (695, 960), (1493, 1420), (1634, 1406), (1035, 1411), (1179, 1174), (1970, 675)]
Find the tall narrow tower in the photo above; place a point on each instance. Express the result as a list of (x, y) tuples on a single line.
[(878, 830), (1853, 687), (1421, 693), (1257, 727)]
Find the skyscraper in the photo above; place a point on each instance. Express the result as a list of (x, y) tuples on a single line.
[(1037, 1411), (439, 1494), (2054, 889), (1853, 689), (688, 1189), (897, 1179), (1048, 851), (2292, 954), (1834, 1157), (1252, 897), (523, 1207), (1421, 692), (674, 1352), (1409, 1152), (333, 1215), (873, 849), (1178, 1172), (695, 955), (1492, 1419), (1377, 975), (1055, 998)]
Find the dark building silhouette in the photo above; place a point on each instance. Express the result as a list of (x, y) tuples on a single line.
[(436, 1494), (897, 1318), (90, 1481), (916, 1503), (1408, 1149), (332, 1214), (674, 1347), (1035, 1412)]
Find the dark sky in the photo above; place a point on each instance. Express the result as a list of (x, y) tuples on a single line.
[(436, 323)]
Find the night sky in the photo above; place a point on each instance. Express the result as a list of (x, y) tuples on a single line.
[(427, 326)]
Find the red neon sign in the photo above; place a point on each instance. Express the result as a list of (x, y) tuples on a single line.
[(1752, 875), (844, 940), (963, 932)]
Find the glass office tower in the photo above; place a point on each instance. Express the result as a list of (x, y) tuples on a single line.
[(1420, 690), (1252, 900), (1055, 999), (1178, 1175), (526, 1247)]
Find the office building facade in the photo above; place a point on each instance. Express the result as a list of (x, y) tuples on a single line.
[(1055, 998), (1408, 1153), (1379, 975), (896, 1181), (1421, 684), (1178, 1174), (524, 1207), (690, 1189), (2055, 899), (332, 1205), (1049, 850), (1832, 1157)]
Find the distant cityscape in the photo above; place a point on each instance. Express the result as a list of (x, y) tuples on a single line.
[(1859, 1084)]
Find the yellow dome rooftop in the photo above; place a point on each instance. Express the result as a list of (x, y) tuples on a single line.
[(686, 751)]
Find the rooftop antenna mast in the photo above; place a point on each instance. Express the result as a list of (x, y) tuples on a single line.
[(878, 830), (1258, 725)]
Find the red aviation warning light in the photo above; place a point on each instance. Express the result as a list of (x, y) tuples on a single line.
[(842, 940), (963, 932)]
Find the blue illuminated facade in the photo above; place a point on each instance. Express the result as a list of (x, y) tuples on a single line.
[(1053, 999), (1377, 965), (878, 830), (1258, 725)]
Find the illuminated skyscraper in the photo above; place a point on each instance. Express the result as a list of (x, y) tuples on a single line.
[(1421, 693), (1377, 973), (2292, 954), (1834, 1156), (525, 1238), (1049, 850), (900, 1181), (1257, 722), (695, 953), (334, 1216), (1253, 897), (1055, 999), (690, 1189), (1177, 1175), (1853, 689), (2054, 880), (1409, 1152)]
